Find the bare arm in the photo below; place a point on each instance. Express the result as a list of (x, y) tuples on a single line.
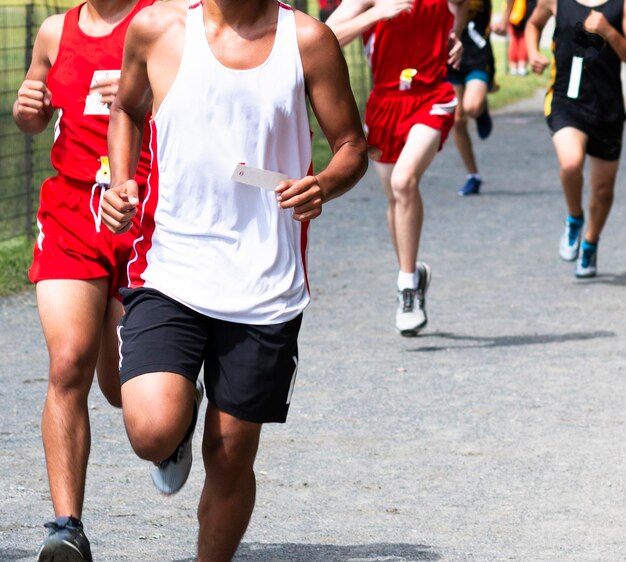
[(353, 17), (597, 23), (500, 27), (544, 10), (32, 110), (126, 123), (460, 10), (330, 95)]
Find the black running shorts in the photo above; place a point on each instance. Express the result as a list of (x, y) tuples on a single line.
[(249, 370), (604, 139)]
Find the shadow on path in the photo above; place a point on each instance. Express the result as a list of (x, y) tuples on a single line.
[(507, 341), (290, 552), (615, 279)]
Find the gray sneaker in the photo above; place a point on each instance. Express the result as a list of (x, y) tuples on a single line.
[(66, 542), (569, 245), (170, 475), (411, 312)]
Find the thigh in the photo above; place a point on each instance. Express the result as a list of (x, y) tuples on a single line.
[(418, 152), (72, 314), (570, 144), (250, 370), (108, 356), (475, 93)]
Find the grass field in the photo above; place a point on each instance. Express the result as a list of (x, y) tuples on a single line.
[(15, 255)]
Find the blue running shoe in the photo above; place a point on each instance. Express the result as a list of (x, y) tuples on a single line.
[(471, 186), (484, 124), (569, 245), (66, 542), (586, 265)]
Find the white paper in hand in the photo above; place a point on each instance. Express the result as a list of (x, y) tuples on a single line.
[(264, 179)]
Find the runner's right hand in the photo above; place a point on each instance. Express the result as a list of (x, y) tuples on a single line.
[(33, 100)]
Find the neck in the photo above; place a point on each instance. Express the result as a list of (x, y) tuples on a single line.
[(236, 12), (108, 11)]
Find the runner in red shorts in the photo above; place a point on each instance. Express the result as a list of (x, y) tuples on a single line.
[(409, 114), (78, 266)]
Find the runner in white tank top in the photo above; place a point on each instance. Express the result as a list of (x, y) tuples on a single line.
[(219, 274), (221, 247)]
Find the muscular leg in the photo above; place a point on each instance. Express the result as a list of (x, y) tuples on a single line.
[(229, 449), (107, 367), (71, 313), (570, 145), (602, 180), (158, 409), (401, 185), (461, 134)]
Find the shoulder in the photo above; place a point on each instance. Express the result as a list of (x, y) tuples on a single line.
[(51, 29), (312, 33), (153, 21), (547, 5)]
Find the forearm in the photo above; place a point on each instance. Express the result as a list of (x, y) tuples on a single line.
[(124, 140), (506, 15), (532, 36), (617, 42), (460, 10), (345, 169)]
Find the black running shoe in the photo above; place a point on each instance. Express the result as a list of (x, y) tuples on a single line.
[(66, 542), (484, 124)]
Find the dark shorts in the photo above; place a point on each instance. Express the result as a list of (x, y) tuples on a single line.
[(249, 370), (604, 139), (458, 78)]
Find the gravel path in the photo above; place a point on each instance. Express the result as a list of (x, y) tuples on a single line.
[(498, 434)]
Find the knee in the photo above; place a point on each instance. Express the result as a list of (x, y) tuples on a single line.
[(228, 459), (71, 371), (604, 192), (571, 167), (473, 108), (152, 437), (404, 188)]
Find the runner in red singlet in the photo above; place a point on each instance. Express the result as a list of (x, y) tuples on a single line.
[(78, 266), (408, 116)]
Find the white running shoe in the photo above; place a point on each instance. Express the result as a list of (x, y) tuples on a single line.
[(170, 475), (411, 312), (569, 245)]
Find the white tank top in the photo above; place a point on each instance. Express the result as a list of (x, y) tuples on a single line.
[(220, 247)]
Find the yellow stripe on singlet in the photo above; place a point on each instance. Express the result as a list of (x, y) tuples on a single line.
[(547, 105)]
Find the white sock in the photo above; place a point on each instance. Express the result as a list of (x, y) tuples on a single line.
[(477, 176), (407, 280)]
